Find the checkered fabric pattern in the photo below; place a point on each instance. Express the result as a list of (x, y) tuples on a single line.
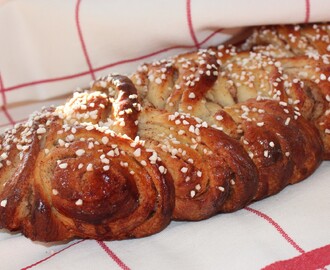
[(48, 48)]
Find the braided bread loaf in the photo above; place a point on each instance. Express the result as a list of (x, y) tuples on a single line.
[(302, 53), (181, 139)]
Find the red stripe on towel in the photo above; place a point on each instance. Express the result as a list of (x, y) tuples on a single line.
[(316, 259), (53, 255), (307, 10), (277, 227), (82, 41), (190, 24), (113, 256)]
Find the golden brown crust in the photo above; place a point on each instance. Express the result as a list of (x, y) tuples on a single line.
[(303, 54), (212, 173), (182, 139), (82, 180)]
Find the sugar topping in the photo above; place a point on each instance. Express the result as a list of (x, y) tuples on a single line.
[(3, 203)]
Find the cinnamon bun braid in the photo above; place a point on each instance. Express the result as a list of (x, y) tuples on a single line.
[(67, 174), (246, 98), (184, 138), (302, 52)]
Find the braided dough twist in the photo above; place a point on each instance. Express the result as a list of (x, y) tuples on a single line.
[(184, 138)]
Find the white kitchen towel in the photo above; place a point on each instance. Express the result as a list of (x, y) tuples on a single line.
[(48, 48)]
